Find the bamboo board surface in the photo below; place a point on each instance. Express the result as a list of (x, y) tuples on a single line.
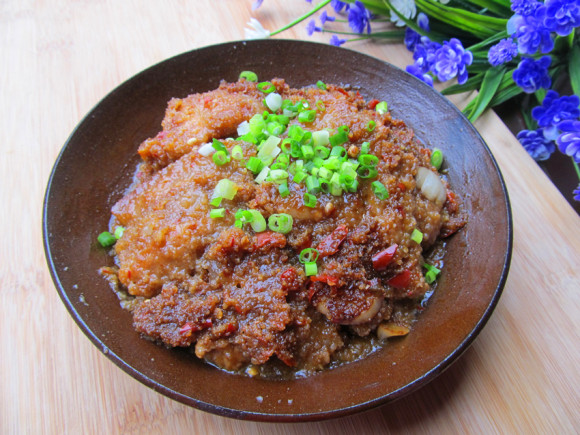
[(59, 58)]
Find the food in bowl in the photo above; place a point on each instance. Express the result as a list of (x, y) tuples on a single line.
[(280, 231)]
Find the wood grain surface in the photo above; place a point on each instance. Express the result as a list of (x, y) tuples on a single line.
[(59, 58)]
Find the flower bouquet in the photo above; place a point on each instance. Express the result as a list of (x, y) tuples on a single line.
[(506, 50)]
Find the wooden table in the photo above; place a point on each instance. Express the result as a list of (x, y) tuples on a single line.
[(58, 59)]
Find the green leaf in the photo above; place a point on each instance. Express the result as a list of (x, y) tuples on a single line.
[(494, 38), (574, 69), (489, 87), (493, 6), (472, 83)]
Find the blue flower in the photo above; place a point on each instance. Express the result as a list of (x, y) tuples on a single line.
[(531, 32), (562, 16), (418, 72), (335, 40), (257, 4), (412, 38), (311, 27), (536, 144), (451, 60), (576, 193), (525, 7), (338, 5), (359, 18), (324, 17), (502, 52), (531, 75), (555, 109), (424, 54), (569, 140)]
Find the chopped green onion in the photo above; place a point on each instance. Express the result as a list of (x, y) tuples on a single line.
[(300, 176), (254, 164), (310, 200), (371, 125), (417, 236), (283, 189), (258, 222), (307, 138), (367, 172), (324, 185), (338, 151), (382, 107), (437, 158), (283, 159), (308, 255), (431, 274), (119, 231), (274, 101), (307, 152), (307, 116), (380, 190), (339, 138), (217, 213), (368, 160), (269, 148), (280, 223), (320, 138), (321, 85), (312, 184), (320, 106), (321, 152), (225, 189), (310, 269), (325, 173), (352, 187), (365, 148), (278, 175), (266, 87), (249, 76), (295, 132), (262, 175), (106, 239), (237, 153), (216, 201), (220, 158), (333, 163)]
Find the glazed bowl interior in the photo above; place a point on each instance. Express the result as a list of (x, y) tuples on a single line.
[(96, 166)]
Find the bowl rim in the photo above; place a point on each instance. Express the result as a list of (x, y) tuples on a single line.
[(410, 387)]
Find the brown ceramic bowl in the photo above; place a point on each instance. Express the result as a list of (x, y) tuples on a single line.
[(96, 165)]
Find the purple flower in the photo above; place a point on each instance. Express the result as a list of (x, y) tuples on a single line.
[(562, 16), (418, 72), (569, 140), (338, 5), (555, 109), (525, 7), (576, 193), (536, 144), (359, 18), (412, 38), (502, 52), (451, 60), (311, 27), (424, 54), (531, 32), (324, 17), (531, 75), (335, 40), (257, 4)]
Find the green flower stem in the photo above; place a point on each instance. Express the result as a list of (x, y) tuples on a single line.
[(302, 18), (576, 167)]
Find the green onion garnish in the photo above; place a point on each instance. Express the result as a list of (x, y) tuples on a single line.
[(266, 87), (321, 152), (338, 138), (320, 138), (237, 153), (368, 160), (216, 201), (380, 190), (219, 146), (280, 223), (278, 176), (307, 116), (254, 164), (258, 222), (217, 213), (106, 239), (224, 189), (308, 255), (310, 200), (220, 158), (371, 125), (417, 236), (321, 85), (432, 273), (119, 231), (437, 158), (283, 190), (249, 76), (365, 148), (367, 172), (310, 269), (312, 184), (274, 101), (382, 107), (320, 106), (307, 152), (300, 176)]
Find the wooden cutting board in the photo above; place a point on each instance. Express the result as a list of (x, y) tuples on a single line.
[(58, 59)]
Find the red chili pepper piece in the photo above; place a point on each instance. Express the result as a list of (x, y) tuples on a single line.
[(186, 329), (384, 258), (372, 104), (270, 238), (342, 91), (328, 279), (401, 280), (330, 244)]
